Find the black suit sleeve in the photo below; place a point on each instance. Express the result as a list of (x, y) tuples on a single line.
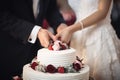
[(17, 28), (53, 15)]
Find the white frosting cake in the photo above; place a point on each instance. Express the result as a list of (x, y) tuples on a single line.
[(60, 58), (30, 74), (56, 58)]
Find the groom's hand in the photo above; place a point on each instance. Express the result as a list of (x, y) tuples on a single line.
[(44, 37)]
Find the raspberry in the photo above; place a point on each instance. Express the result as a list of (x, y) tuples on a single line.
[(33, 65), (51, 69), (61, 70), (76, 66)]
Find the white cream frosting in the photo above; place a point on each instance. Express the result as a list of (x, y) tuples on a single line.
[(56, 58), (30, 74)]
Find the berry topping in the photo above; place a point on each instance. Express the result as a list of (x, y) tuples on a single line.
[(76, 66), (51, 69), (57, 45), (50, 47), (63, 47), (61, 70), (33, 65)]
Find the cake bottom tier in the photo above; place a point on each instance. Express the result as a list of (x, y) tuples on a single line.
[(30, 74)]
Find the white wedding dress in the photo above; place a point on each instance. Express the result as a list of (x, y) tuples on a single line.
[(98, 44)]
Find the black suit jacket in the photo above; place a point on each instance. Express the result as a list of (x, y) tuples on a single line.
[(16, 23)]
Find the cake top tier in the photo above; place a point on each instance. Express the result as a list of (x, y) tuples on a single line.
[(57, 45), (45, 51)]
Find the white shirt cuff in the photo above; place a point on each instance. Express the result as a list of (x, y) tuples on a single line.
[(33, 36)]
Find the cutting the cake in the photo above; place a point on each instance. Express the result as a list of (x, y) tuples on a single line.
[(57, 62)]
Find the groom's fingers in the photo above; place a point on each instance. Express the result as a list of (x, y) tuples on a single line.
[(51, 36)]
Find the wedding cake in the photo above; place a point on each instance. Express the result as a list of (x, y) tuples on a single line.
[(58, 62)]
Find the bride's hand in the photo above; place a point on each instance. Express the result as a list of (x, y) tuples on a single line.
[(64, 35)]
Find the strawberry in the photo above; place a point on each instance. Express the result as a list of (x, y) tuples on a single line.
[(33, 65), (61, 70), (50, 47)]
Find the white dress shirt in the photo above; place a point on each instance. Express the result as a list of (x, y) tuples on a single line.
[(33, 36), (36, 8)]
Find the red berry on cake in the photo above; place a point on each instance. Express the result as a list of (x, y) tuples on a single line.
[(33, 65), (50, 47), (57, 45), (76, 66), (63, 47), (61, 70), (51, 69)]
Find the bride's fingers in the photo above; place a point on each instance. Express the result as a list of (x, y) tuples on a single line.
[(64, 40)]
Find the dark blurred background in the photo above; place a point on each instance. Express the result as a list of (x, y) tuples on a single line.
[(115, 16)]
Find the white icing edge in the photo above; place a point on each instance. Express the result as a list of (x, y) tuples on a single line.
[(30, 74)]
